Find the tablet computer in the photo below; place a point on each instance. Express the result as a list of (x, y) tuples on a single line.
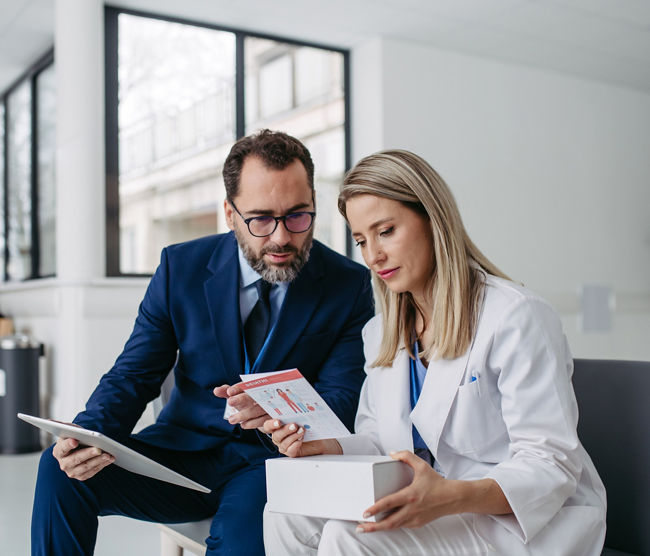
[(124, 457)]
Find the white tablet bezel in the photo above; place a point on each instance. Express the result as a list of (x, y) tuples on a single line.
[(125, 457)]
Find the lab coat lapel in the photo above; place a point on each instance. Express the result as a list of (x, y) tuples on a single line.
[(444, 376), (222, 297), (438, 393)]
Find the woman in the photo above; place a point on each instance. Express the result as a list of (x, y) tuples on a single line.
[(468, 382)]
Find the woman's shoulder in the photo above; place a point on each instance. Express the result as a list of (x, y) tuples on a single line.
[(506, 292), (373, 326), (372, 334), (505, 298)]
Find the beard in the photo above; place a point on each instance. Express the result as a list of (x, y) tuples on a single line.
[(273, 273)]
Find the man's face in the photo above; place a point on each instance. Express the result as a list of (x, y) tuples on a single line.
[(266, 191)]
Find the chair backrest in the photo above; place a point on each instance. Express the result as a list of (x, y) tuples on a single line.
[(165, 394), (614, 427)]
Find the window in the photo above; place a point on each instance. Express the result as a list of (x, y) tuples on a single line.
[(19, 182), (45, 166), (300, 90), (178, 95), (27, 163)]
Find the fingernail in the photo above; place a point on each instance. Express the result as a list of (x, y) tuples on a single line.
[(276, 423), (366, 514), (392, 452), (292, 427), (301, 431), (360, 529), (106, 457)]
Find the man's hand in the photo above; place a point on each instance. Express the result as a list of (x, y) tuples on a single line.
[(249, 414), (80, 463)]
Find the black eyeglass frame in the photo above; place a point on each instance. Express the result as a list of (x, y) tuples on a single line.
[(277, 219)]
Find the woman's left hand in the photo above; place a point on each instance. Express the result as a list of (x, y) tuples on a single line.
[(428, 497)]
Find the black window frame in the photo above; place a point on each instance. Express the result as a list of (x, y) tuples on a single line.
[(28, 76), (111, 14)]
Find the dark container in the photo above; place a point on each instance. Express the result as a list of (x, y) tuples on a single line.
[(19, 393)]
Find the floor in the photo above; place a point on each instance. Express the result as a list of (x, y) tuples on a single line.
[(117, 535)]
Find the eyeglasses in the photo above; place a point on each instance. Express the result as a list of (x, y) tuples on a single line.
[(262, 226)]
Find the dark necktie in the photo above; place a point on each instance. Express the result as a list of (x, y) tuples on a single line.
[(257, 323)]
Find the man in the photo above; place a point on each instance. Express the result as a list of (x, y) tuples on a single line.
[(207, 315)]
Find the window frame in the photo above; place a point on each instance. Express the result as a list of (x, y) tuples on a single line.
[(30, 75), (112, 124)]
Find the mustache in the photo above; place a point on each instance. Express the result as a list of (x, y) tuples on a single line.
[(278, 250)]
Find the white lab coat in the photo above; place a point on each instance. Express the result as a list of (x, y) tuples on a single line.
[(516, 423)]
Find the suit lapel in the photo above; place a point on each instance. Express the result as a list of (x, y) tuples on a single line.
[(437, 396), (222, 297), (303, 296)]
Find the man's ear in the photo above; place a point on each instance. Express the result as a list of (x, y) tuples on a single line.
[(230, 214)]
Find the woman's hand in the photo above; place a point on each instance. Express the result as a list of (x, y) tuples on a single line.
[(428, 497), (289, 440)]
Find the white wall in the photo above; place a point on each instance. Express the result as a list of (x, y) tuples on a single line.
[(551, 173), (83, 328), (82, 318)]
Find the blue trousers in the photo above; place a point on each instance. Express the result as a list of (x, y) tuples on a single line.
[(64, 518)]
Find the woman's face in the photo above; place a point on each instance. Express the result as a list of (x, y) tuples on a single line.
[(396, 242)]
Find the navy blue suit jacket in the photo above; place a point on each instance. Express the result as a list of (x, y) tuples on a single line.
[(189, 320)]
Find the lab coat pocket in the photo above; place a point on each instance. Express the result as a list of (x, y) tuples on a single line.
[(474, 422)]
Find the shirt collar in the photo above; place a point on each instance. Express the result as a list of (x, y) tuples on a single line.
[(247, 275)]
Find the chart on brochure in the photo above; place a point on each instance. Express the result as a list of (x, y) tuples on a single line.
[(288, 396)]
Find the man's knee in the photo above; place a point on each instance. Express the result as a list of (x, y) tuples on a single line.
[(237, 526), (51, 481), (49, 470)]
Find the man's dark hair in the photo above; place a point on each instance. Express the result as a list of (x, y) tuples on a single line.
[(275, 149)]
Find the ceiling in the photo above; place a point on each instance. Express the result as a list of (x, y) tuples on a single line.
[(603, 40)]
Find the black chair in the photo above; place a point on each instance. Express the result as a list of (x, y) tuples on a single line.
[(614, 405), (614, 427)]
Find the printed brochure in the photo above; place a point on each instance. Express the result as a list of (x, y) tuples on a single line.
[(288, 397)]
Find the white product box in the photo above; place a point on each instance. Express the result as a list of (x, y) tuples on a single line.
[(334, 487)]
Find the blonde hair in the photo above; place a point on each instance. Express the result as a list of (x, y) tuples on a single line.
[(456, 284)]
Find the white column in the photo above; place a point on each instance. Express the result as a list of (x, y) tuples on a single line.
[(80, 192), (368, 106), (80, 171)]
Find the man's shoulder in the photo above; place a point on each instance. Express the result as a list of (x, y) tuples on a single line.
[(334, 262), (202, 247)]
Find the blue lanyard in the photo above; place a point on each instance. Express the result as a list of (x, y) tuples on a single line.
[(248, 368), (416, 389), (416, 386)]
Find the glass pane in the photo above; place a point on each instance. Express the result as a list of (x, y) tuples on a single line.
[(46, 132), (2, 188), (19, 206), (176, 124), (299, 90), (275, 86), (318, 74)]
